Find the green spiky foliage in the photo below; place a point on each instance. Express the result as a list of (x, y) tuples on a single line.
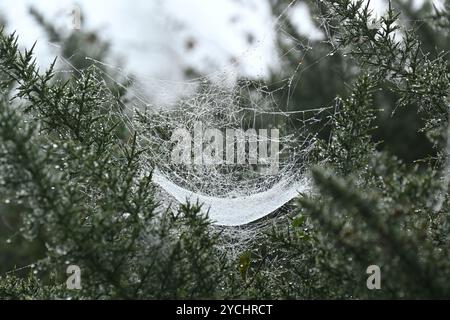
[(83, 196)]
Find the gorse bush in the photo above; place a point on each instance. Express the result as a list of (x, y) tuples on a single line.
[(70, 179), (81, 191)]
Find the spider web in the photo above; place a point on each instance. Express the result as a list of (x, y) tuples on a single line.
[(224, 188)]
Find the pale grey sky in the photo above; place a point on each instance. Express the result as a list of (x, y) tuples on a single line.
[(150, 35)]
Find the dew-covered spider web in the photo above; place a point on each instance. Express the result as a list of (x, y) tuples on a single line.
[(231, 194)]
